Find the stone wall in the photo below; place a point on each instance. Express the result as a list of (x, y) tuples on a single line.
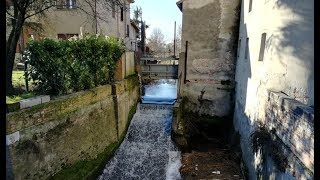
[(125, 66), (293, 124), (44, 139), (211, 29)]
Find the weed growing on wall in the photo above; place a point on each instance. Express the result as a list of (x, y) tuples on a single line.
[(65, 66)]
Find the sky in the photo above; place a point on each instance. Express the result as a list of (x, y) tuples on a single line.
[(159, 14)]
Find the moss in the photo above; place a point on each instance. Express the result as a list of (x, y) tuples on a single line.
[(13, 107), (131, 113), (132, 81), (92, 168), (86, 169), (55, 109)]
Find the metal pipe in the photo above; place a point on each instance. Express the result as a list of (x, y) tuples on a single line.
[(185, 63), (26, 77), (174, 40)]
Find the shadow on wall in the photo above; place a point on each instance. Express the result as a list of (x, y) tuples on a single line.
[(243, 73), (297, 36), (243, 64)]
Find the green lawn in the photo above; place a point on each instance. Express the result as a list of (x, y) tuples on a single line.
[(18, 79), (13, 99), (18, 82)]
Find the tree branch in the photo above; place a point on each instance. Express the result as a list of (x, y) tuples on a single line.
[(38, 12), (9, 13)]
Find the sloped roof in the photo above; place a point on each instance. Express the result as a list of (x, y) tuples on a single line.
[(134, 25), (180, 4)]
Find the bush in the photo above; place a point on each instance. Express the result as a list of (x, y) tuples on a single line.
[(65, 66)]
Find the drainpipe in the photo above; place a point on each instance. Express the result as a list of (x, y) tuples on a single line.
[(174, 41), (185, 63)]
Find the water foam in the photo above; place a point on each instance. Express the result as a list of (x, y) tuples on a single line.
[(147, 151)]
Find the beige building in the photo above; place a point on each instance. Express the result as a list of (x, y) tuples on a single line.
[(260, 69), (207, 65), (71, 17), (107, 18)]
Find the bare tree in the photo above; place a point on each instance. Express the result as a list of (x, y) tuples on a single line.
[(22, 10), (178, 41), (156, 41)]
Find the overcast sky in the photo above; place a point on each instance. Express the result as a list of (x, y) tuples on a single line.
[(159, 14)]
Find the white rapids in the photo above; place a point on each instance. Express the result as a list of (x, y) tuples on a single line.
[(163, 91), (147, 151)]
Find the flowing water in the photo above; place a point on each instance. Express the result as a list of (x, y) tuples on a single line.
[(147, 151), (162, 91)]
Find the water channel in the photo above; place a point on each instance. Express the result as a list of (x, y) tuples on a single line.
[(147, 151)]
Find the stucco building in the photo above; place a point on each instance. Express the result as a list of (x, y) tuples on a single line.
[(67, 17), (207, 64), (275, 82), (255, 60)]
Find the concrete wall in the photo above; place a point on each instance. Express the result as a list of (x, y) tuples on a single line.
[(125, 66), (211, 28), (45, 138), (287, 66)]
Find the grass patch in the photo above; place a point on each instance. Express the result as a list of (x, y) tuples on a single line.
[(16, 98), (18, 79), (19, 82), (19, 85)]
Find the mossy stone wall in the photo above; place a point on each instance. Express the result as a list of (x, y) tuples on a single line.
[(71, 129)]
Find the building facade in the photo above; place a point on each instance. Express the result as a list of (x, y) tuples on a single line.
[(255, 60), (275, 82), (70, 18), (207, 64)]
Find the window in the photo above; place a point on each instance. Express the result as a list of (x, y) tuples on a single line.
[(113, 9), (239, 46), (247, 49), (262, 46), (250, 5), (66, 36), (66, 4), (121, 9), (128, 31)]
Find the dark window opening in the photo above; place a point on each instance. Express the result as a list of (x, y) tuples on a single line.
[(247, 49), (66, 36), (262, 46), (226, 82), (66, 4), (128, 31), (121, 9), (250, 5), (239, 46), (113, 9)]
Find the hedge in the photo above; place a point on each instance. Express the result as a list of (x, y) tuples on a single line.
[(65, 66)]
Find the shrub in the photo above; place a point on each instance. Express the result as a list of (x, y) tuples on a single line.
[(64, 66)]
